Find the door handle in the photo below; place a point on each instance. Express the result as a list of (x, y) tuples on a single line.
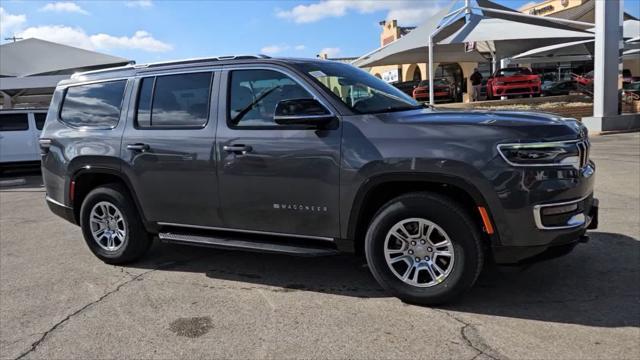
[(138, 147), (237, 149)]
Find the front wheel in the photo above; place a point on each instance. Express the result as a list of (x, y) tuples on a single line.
[(424, 248), (111, 225)]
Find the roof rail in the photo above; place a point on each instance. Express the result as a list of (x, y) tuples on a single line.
[(133, 65), (202, 59)]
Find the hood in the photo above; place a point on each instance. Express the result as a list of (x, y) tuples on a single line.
[(522, 125)]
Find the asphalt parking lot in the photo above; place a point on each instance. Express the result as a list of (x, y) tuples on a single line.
[(58, 301)]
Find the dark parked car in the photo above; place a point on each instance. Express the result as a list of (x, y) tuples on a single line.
[(312, 157), (632, 90), (443, 90), (558, 88)]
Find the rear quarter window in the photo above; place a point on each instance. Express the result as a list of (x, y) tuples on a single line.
[(14, 122), (40, 119), (93, 105)]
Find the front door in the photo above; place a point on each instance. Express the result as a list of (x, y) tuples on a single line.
[(168, 148), (274, 178)]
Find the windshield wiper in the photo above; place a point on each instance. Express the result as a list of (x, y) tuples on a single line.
[(249, 107)]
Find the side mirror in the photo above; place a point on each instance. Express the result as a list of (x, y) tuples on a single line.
[(302, 112)]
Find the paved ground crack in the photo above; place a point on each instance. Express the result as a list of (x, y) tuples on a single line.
[(472, 338), (45, 334)]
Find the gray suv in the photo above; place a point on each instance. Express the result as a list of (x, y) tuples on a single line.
[(309, 158)]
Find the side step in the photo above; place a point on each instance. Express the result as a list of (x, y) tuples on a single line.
[(246, 245)]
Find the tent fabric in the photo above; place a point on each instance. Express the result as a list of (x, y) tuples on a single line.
[(17, 59), (577, 50), (511, 37), (412, 45), (508, 37), (541, 21)]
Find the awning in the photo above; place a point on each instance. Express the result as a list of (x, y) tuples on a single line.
[(31, 57), (509, 34)]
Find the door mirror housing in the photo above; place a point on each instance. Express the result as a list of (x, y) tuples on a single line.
[(302, 112)]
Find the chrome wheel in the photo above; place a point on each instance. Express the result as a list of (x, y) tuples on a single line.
[(419, 252), (108, 226)]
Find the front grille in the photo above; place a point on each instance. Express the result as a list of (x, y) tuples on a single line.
[(517, 90), (583, 152)]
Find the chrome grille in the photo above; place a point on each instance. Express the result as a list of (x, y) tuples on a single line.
[(583, 152)]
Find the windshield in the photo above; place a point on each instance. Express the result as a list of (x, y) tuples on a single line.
[(513, 71), (359, 90), (440, 81)]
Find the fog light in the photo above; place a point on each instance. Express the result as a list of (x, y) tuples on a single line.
[(560, 209)]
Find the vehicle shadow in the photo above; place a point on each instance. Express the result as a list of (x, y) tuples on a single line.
[(596, 285)]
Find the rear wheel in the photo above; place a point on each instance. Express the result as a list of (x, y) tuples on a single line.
[(424, 248), (111, 225)]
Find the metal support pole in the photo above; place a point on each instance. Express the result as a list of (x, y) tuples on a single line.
[(607, 61), (503, 64), (431, 94)]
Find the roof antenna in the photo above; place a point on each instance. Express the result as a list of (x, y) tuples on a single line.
[(14, 38)]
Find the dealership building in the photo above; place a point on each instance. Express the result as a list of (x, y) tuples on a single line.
[(550, 69)]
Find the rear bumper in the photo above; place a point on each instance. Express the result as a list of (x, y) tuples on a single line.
[(62, 210)]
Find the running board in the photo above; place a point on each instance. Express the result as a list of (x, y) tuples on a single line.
[(246, 245)]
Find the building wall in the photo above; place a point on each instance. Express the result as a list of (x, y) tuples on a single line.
[(546, 8)]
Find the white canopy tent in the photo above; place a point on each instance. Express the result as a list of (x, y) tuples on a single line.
[(580, 50), (501, 31)]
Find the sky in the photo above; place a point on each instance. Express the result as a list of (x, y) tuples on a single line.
[(156, 30)]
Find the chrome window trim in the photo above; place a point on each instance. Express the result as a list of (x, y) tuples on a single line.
[(537, 215), (89, 82), (247, 231), (538, 144)]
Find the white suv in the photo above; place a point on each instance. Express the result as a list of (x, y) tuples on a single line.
[(19, 133)]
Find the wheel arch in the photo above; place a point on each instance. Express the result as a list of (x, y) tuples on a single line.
[(88, 178), (380, 189)]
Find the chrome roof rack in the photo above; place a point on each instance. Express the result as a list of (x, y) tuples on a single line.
[(202, 59), (133, 65)]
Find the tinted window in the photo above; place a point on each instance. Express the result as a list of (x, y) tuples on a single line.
[(93, 105), (254, 94), (144, 102), (40, 118), (178, 100), (14, 122)]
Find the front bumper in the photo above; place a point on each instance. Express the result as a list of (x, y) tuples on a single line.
[(563, 241), (540, 210), (516, 89)]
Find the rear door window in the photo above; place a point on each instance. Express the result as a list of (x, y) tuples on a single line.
[(14, 122), (93, 105), (174, 101), (40, 118)]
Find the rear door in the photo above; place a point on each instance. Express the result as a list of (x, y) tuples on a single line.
[(17, 142), (168, 147), (275, 178)]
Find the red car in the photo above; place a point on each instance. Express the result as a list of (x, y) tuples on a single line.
[(443, 90), (512, 82)]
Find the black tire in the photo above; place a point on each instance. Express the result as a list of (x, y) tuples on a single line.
[(454, 220), (136, 240)]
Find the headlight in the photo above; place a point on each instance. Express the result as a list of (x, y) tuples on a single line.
[(541, 154)]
